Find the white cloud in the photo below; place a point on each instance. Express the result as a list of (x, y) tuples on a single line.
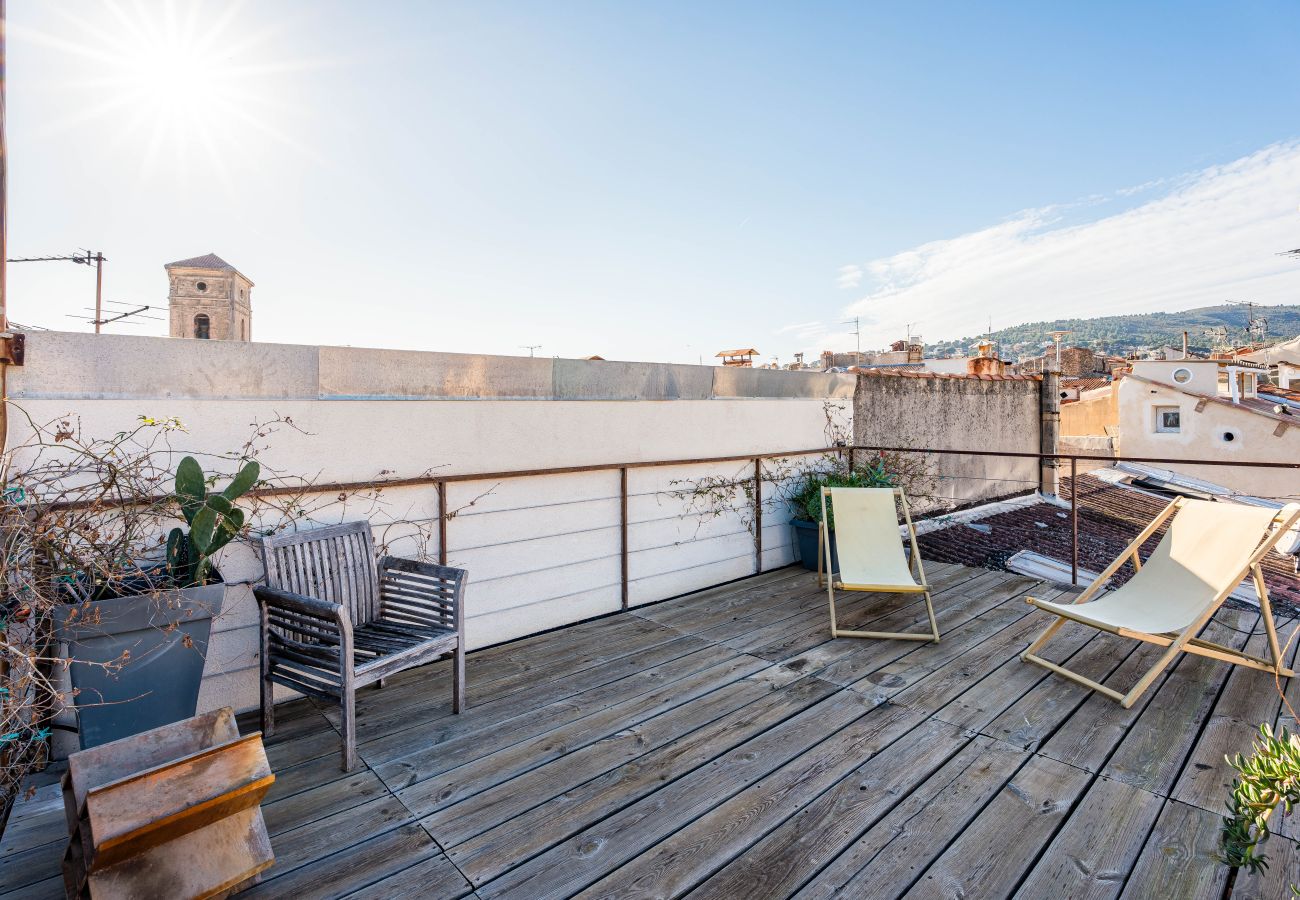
[(1212, 237), (801, 328), (850, 277)]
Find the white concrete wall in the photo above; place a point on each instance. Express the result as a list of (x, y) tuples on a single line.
[(541, 551)]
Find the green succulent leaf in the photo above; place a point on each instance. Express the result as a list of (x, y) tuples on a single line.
[(190, 488), (243, 481), (203, 528)]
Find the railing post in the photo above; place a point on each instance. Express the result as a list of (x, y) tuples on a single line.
[(758, 515), (1074, 520), (622, 529), (442, 523), (851, 449)]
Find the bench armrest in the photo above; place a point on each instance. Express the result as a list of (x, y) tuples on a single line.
[(320, 613)]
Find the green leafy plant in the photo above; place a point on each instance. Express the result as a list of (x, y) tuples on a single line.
[(1267, 779), (213, 521), (807, 499)]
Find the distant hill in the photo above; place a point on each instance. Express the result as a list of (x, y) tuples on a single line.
[(1120, 335)]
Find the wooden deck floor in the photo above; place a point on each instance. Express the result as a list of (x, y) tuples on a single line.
[(720, 745)]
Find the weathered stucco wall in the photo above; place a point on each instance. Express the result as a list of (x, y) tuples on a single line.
[(541, 551), (1203, 435), (1094, 414), (955, 413)]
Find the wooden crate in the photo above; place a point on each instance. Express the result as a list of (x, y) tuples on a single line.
[(172, 812)]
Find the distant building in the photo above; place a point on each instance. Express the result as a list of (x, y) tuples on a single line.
[(1210, 409), (738, 358), (1076, 362), (209, 299), (909, 352)]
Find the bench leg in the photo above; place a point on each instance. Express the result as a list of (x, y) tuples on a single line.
[(458, 677), (264, 667), (268, 706), (348, 703)]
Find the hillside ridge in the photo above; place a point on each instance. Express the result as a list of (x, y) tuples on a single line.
[(1122, 334)]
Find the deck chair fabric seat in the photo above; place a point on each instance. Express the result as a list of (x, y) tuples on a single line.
[(871, 553), (1208, 549)]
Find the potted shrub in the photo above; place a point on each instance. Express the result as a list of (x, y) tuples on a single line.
[(807, 502), (139, 636)]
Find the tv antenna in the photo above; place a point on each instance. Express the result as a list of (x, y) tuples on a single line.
[(530, 348), (857, 334), (84, 258), (134, 312), (1256, 326)]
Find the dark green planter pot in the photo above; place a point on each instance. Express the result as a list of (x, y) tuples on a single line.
[(805, 536), (160, 682)]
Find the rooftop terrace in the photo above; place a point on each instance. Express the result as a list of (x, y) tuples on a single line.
[(720, 744)]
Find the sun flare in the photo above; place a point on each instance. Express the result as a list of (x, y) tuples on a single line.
[(182, 85)]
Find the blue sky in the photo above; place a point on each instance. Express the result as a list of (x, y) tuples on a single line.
[(656, 181)]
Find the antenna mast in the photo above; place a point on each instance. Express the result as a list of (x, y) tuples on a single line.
[(857, 334)]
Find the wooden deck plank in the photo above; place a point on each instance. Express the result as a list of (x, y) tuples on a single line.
[(1180, 858), (359, 866), (592, 853), (1033, 718), (404, 764), (1092, 854), (492, 852), (889, 857), (896, 757), (500, 799), (791, 853), (453, 784), (964, 624), (388, 712), (995, 850), (1249, 699), (1283, 871), (382, 749), (643, 754), (810, 625), (1152, 754)]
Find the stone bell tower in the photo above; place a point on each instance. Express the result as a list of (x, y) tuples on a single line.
[(209, 300)]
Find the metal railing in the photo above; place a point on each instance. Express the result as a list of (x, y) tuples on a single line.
[(1074, 459)]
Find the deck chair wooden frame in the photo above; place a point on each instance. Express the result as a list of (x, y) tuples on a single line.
[(1184, 640), (916, 584)]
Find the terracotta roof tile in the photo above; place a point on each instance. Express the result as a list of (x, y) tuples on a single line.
[(1110, 518)]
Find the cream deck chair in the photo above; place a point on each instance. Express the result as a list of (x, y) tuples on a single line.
[(1207, 551), (871, 556)]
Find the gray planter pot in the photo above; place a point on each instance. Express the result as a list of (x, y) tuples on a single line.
[(805, 535), (160, 682)]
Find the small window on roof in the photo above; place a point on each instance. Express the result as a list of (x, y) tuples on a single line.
[(1168, 420), (1182, 375)]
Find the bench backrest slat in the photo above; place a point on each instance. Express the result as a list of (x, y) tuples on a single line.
[(334, 563)]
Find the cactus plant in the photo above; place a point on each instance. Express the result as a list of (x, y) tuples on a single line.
[(213, 521)]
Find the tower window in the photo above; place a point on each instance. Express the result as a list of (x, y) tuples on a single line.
[(202, 327), (202, 285), (243, 335)]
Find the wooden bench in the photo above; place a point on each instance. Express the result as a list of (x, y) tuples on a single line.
[(334, 619)]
